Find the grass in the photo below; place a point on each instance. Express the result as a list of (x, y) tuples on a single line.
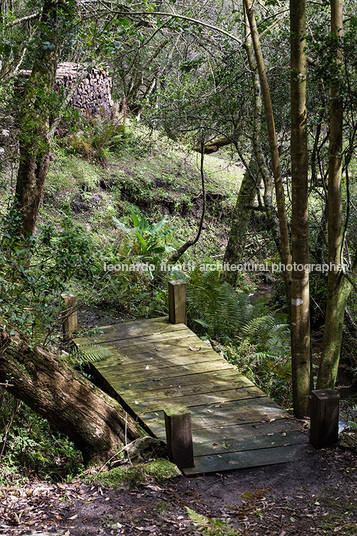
[(151, 175)]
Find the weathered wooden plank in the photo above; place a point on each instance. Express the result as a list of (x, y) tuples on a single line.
[(154, 332), (143, 328), (150, 371), (182, 339), (240, 460), (250, 410), (201, 382), (216, 446), (175, 357), (209, 442), (148, 323), (213, 387), (191, 401), (238, 432), (168, 347)]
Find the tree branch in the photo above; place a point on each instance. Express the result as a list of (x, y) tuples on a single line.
[(175, 257)]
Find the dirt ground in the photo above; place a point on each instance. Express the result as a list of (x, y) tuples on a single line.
[(316, 494)]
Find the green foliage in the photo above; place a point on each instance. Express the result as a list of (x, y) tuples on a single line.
[(255, 340), (149, 236), (145, 242), (29, 446), (212, 527), (93, 354), (98, 137), (33, 275), (228, 315), (161, 470)]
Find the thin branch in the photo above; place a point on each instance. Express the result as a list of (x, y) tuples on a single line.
[(24, 19), (175, 257), (178, 16)]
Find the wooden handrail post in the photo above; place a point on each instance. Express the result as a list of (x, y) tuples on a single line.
[(324, 418), (179, 436), (177, 302), (70, 318)]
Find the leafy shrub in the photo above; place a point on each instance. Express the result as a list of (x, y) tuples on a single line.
[(33, 275), (149, 237)]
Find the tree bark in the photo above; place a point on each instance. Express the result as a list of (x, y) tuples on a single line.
[(300, 296), (274, 152), (34, 117), (338, 289), (95, 422), (214, 145), (240, 222)]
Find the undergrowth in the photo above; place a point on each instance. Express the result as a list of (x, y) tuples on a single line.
[(252, 336), (29, 446)]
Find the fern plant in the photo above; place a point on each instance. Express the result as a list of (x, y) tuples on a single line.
[(254, 339), (211, 526), (98, 137), (230, 317)]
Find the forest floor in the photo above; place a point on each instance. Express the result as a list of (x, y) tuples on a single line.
[(316, 494)]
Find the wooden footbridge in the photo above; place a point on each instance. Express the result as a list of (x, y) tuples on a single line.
[(154, 366)]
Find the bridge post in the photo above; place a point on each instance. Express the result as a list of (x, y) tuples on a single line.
[(70, 318), (177, 302), (179, 436), (324, 418)]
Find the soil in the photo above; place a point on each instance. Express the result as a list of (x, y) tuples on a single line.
[(316, 494)]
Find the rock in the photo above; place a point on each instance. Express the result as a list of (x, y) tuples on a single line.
[(348, 440)]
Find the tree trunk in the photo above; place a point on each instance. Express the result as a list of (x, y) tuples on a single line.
[(337, 288), (300, 297), (34, 118), (95, 422), (274, 152), (240, 222)]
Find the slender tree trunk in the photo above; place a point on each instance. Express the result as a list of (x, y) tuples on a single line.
[(279, 190), (240, 222), (270, 211), (95, 422), (34, 117), (338, 288), (300, 297), (251, 180)]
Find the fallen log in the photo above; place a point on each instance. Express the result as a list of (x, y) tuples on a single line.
[(96, 423)]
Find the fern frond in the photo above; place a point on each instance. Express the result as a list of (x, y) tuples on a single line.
[(211, 526), (94, 353)]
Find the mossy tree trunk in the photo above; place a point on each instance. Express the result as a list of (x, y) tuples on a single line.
[(95, 422), (300, 296), (240, 222), (34, 103), (338, 286)]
